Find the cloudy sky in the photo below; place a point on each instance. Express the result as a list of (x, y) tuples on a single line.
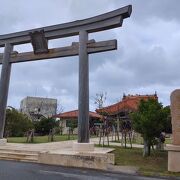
[(147, 59)]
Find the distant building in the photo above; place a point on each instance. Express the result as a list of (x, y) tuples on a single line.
[(123, 108), (38, 107), (67, 118)]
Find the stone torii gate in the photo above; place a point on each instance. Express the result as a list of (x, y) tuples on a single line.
[(39, 39)]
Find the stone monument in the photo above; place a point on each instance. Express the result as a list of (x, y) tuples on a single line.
[(174, 149)]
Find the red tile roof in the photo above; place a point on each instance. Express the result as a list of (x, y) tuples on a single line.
[(74, 114), (129, 102)]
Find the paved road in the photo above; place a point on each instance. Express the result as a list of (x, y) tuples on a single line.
[(10, 170)]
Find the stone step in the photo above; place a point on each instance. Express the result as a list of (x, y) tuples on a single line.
[(19, 159), (19, 156), (19, 151)]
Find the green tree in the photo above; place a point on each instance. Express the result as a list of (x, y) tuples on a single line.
[(44, 126), (16, 123), (149, 120)]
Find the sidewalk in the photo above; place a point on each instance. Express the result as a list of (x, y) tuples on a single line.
[(96, 141)]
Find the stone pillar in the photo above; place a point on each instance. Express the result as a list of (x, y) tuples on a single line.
[(4, 86), (175, 114), (83, 117), (174, 149)]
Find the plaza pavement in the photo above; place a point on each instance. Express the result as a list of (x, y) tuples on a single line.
[(54, 146), (63, 149)]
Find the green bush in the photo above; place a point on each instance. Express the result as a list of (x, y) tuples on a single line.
[(43, 126), (17, 124)]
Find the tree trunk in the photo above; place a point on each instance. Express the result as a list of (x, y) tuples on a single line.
[(147, 148)]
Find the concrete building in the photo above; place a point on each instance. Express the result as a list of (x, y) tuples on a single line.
[(37, 107)]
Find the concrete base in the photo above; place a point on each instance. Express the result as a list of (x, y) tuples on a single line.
[(100, 158), (59, 153), (83, 147), (3, 142), (173, 158)]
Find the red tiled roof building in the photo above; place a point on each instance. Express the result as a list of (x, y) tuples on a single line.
[(72, 117), (128, 104)]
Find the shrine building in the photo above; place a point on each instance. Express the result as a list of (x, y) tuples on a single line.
[(127, 105)]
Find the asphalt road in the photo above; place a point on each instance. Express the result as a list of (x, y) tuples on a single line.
[(11, 170)]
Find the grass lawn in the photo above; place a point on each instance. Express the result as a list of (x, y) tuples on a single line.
[(139, 140), (41, 139), (155, 165), (168, 141)]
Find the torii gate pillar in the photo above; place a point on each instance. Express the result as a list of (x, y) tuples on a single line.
[(4, 87), (83, 143), (83, 118)]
